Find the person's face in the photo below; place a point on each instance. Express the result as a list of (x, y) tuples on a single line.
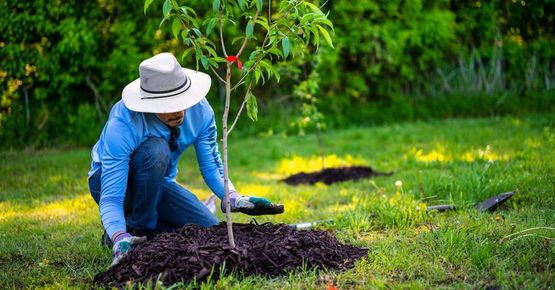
[(172, 119)]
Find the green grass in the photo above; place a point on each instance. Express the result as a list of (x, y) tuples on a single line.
[(50, 228)]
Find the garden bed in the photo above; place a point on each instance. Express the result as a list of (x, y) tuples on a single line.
[(193, 252), (333, 175)]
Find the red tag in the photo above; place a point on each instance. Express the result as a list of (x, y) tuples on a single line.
[(233, 58)]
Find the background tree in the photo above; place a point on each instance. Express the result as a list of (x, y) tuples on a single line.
[(62, 66)]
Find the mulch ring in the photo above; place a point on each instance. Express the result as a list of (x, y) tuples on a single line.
[(333, 175), (195, 252)]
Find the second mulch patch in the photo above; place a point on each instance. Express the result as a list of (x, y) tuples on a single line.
[(193, 252), (333, 175)]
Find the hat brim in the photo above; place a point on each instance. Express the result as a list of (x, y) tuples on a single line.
[(200, 85)]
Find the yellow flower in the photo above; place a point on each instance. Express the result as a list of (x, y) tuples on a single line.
[(421, 206), (29, 69)]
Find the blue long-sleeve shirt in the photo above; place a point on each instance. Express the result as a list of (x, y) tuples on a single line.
[(126, 130)]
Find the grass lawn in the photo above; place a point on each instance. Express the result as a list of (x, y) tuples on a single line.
[(50, 229)]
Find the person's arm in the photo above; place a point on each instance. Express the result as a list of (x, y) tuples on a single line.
[(211, 167), (119, 144)]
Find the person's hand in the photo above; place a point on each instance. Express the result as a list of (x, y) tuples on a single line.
[(122, 244), (252, 205)]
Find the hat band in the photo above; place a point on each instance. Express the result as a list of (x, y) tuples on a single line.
[(180, 89)]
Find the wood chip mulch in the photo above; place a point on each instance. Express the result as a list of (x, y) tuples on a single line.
[(193, 252), (333, 175)]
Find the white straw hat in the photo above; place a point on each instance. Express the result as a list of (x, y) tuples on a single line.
[(164, 86)]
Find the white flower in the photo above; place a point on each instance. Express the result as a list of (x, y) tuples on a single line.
[(398, 183)]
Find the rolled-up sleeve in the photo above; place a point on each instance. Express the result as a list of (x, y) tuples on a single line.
[(209, 160), (119, 144)]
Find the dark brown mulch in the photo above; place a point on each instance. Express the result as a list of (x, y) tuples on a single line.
[(333, 175), (194, 252)]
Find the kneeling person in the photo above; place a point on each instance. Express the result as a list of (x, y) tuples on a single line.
[(134, 163)]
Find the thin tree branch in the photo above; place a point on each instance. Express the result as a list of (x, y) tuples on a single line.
[(269, 12), (240, 82), (246, 38), (225, 133), (221, 33), (217, 75), (324, 4), (101, 107), (240, 109)]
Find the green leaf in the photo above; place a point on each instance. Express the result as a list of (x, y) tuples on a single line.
[(272, 39), (238, 38), (216, 5), (249, 30), (198, 56), (186, 10), (316, 33), (191, 19), (213, 63), (276, 75), (286, 45), (254, 53), (204, 60), (325, 21), (307, 18), (241, 4), (166, 8), (306, 31), (263, 22), (176, 26), (326, 35), (259, 5), (219, 59), (252, 107), (257, 74), (276, 51), (211, 51), (211, 25), (197, 32), (186, 53), (147, 3), (311, 6), (265, 64)]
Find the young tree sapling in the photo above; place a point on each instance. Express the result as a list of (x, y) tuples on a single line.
[(295, 23)]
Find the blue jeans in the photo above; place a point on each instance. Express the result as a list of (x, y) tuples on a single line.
[(153, 204)]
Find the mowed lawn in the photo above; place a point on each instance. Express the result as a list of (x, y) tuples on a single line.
[(50, 229)]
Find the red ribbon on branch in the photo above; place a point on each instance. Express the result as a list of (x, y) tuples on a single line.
[(233, 58)]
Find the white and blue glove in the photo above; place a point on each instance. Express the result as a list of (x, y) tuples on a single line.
[(122, 244), (252, 205)]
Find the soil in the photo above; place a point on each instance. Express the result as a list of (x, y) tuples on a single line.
[(193, 252), (333, 175)]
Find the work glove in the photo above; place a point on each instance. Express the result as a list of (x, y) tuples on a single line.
[(252, 205), (122, 244)]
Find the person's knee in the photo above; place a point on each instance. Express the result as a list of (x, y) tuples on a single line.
[(154, 152), (210, 221), (158, 149)]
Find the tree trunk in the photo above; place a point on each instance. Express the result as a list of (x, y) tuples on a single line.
[(226, 171)]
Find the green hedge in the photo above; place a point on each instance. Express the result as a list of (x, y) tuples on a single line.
[(63, 64)]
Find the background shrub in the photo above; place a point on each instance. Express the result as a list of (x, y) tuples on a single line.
[(63, 64)]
